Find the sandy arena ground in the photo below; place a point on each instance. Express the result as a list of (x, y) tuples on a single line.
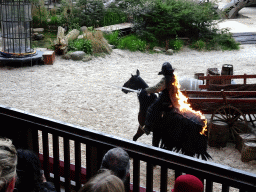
[(76, 92)]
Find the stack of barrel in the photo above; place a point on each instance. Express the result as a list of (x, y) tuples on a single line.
[(227, 69)]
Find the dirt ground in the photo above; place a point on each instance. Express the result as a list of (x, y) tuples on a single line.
[(78, 93)]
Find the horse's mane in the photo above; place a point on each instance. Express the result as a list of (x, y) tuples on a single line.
[(143, 82)]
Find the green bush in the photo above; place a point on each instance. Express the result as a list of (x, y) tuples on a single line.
[(113, 17), (89, 12), (176, 44), (199, 45), (164, 19), (227, 42), (160, 21), (132, 43), (80, 45), (40, 22), (113, 38), (54, 20), (218, 41)]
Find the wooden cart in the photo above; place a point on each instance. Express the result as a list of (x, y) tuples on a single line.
[(232, 104)]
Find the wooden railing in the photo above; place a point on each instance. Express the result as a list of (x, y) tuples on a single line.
[(23, 128)]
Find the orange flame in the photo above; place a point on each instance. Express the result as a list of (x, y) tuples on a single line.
[(185, 106)]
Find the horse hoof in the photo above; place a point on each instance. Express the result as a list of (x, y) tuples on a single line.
[(134, 139)]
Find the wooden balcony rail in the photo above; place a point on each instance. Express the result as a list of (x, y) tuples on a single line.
[(23, 129)]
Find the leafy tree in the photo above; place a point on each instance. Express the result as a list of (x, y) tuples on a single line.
[(89, 12)]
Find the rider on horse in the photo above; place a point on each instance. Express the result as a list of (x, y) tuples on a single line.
[(166, 99)]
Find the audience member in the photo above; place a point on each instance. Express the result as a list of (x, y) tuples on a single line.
[(8, 162), (188, 183), (30, 175), (117, 160), (104, 182)]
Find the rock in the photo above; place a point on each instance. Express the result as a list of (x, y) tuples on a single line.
[(93, 109), (37, 36), (38, 30), (80, 37), (160, 48), (77, 55), (87, 58), (112, 46), (169, 52), (157, 50), (83, 28)]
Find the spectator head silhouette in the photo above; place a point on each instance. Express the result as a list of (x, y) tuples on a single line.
[(117, 160), (8, 162), (104, 181), (188, 183)]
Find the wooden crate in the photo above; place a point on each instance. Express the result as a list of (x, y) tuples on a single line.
[(49, 57)]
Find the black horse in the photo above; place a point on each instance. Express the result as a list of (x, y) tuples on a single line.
[(136, 82), (176, 132)]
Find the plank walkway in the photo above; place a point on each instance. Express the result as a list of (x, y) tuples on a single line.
[(245, 38), (111, 28)]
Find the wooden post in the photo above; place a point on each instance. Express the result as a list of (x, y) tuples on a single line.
[(224, 96)]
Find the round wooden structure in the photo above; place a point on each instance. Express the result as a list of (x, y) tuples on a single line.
[(218, 134), (233, 117)]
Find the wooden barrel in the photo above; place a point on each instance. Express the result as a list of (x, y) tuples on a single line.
[(227, 69), (213, 71), (218, 134)]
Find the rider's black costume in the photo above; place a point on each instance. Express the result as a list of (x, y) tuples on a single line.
[(167, 97)]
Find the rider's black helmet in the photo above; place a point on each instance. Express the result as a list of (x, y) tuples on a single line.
[(166, 69)]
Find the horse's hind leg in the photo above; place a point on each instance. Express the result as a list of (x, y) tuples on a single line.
[(139, 133)]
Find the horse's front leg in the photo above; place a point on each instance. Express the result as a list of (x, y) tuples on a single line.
[(139, 133), (141, 119)]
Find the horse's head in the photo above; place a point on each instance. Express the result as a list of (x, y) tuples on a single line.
[(135, 82)]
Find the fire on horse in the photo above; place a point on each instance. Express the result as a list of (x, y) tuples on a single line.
[(176, 131)]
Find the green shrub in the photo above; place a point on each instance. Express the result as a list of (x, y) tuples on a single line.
[(54, 20), (36, 21), (113, 17), (89, 12), (164, 19), (227, 42), (218, 41), (176, 44), (40, 14), (113, 38), (199, 45), (80, 45), (132, 43)]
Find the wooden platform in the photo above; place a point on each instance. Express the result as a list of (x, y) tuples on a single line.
[(245, 38), (111, 28)]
